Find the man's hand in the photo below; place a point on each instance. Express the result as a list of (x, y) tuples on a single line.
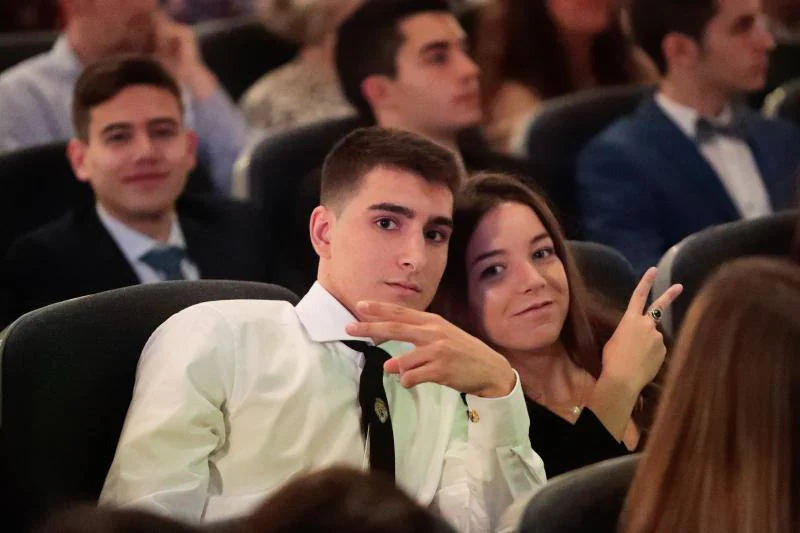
[(177, 49), (444, 354)]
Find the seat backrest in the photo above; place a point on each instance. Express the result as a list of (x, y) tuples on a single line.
[(37, 185), (17, 47), (561, 128), (279, 163), (606, 272), (697, 256), (588, 499), (67, 377), (784, 102), (240, 50)]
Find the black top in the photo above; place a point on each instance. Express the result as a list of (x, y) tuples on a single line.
[(564, 446)]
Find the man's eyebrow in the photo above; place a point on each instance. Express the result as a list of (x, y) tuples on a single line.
[(441, 221), (434, 46), (115, 126), (394, 208), (163, 121)]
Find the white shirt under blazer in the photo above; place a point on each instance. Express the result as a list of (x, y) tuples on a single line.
[(234, 398)]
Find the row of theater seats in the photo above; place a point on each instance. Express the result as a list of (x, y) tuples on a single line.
[(69, 368)]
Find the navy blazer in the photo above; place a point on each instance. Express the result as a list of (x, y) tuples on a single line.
[(643, 185), (75, 255)]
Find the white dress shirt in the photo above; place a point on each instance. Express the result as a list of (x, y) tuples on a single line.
[(731, 158), (234, 398), (134, 245)]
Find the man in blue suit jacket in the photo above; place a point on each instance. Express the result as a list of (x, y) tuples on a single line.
[(686, 160)]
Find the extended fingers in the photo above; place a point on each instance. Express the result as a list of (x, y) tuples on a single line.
[(388, 312), (396, 331), (639, 297), (669, 296)]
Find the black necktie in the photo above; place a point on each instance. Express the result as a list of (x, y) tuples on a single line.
[(708, 130), (375, 420)]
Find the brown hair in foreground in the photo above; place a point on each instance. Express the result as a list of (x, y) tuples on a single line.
[(342, 500), (722, 454), (103, 80), (367, 148)]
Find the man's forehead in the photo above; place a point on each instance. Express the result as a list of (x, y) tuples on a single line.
[(736, 8), (423, 28), (403, 187), (139, 104)]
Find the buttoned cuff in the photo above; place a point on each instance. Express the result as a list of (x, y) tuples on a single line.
[(498, 422)]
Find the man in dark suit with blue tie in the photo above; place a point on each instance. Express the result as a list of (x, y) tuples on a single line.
[(688, 159), (133, 148)]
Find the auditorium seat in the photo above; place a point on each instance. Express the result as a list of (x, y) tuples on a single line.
[(784, 102), (586, 500), (37, 185), (557, 132), (241, 50), (67, 380), (606, 272), (693, 259)]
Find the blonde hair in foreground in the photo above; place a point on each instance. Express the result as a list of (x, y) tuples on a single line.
[(722, 452)]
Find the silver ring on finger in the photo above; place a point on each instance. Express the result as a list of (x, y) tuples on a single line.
[(656, 314)]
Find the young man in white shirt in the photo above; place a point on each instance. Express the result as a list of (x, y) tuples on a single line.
[(233, 399), (689, 159)]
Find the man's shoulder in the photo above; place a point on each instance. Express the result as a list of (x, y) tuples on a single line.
[(32, 72), (238, 316), (56, 235)]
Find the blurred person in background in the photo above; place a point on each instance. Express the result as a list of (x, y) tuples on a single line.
[(31, 15), (133, 148), (306, 90), (724, 452), (533, 50), (36, 95), (689, 157), (784, 20), (192, 11)]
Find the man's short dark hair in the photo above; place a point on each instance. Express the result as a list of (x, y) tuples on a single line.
[(368, 41), (368, 148), (103, 80), (653, 20)]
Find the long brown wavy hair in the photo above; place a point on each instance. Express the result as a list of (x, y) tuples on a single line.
[(518, 40), (723, 452), (590, 321)]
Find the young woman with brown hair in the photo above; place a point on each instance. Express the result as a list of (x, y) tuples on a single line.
[(534, 50), (723, 452), (511, 280)]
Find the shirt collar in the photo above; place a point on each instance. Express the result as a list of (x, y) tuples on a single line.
[(134, 244), (63, 51), (324, 317), (685, 117)]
